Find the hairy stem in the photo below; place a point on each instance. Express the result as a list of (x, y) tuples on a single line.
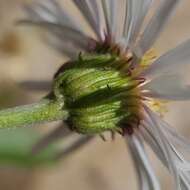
[(44, 111)]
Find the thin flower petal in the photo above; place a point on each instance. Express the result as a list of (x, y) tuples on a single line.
[(92, 13), (114, 16), (156, 25), (64, 46), (66, 40), (176, 138), (136, 12), (178, 147), (168, 74), (147, 178), (80, 143), (61, 132), (152, 142), (51, 11), (143, 10), (110, 8), (132, 10), (172, 61), (67, 35), (168, 87), (153, 126)]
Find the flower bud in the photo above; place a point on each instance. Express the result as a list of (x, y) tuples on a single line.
[(98, 95)]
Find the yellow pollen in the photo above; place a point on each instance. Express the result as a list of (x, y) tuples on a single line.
[(159, 106), (148, 58), (145, 62)]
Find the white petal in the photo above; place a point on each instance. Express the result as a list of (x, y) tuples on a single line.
[(92, 13), (67, 36), (147, 178), (184, 184), (143, 10), (130, 18), (136, 12), (158, 151), (66, 40), (178, 143), (66, 48), (152, 142), (171, 61), (115, 13), (110, 8), (156, 25), (186, 179), (156, 130), (78, 144), (168, 87), (168, 74), (51, 11), (176, 138), (61, 132), (179, 149)]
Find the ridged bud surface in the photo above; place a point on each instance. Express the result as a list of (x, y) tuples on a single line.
[(98, 95)]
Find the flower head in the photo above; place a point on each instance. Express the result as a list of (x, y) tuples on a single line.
[(111, 80)]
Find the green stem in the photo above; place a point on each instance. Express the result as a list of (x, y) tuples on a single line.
[(44, 111)]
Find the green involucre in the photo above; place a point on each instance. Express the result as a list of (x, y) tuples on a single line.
[(96, 94)]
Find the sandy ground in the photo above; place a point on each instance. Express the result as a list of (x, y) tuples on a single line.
[(100, 165)]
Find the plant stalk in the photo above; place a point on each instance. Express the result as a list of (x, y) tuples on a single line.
[(44, 111)]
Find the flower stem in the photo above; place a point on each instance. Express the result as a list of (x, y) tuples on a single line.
[(44, 111)]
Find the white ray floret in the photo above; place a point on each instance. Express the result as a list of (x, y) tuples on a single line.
[(167, 74), (135, 15), (176, 146), (92, 13), (147, 178), (156, 25)]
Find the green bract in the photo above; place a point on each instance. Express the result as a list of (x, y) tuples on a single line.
[(97, 94)]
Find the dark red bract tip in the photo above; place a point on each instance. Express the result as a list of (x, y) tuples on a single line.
[(127, 130)]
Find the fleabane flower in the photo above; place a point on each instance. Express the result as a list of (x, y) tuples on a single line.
[(112, 81)]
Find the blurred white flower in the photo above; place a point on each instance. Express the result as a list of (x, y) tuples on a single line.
[(120, 24)]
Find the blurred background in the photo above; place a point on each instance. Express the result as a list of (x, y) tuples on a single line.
[(99, 165)]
